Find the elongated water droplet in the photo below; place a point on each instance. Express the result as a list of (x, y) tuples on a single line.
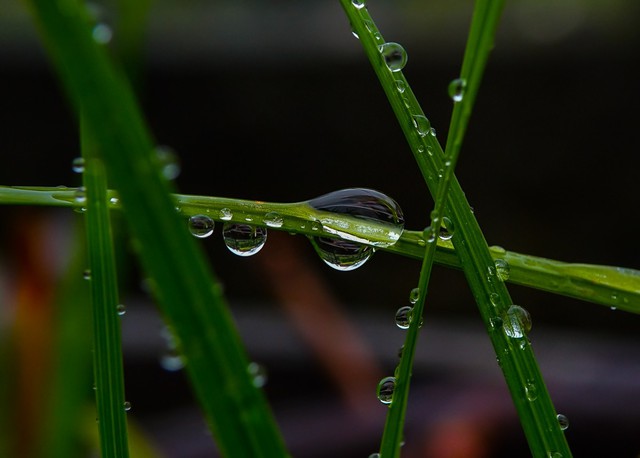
[(563, 421), (432, 131), (403, 317), (225, 214), (553, 454), (201, 226), (340, 254), (531, 391), (127, 406), (121, 309), (169, 162), (414, 295), (495, 322), (446, 229), (354, 33), (503, 269), (517, 322), (273, 219), (457, 88), (78, 165), (86, 274), (359, 4), (395, 57), (401, 86), (386, 388), (258, 374), (244, 239), (422, 125), (81, 195), (495, 299)]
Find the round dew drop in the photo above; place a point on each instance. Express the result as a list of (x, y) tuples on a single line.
[(414, 295), (531, 391), (78, 165), (81, 195), (394, 55), (422, 125), (201, 226), (401, 86), (121, 309), (517, 322), (340, 254), (127, 406), (225, 214), (244, 239), (503, 270), (456, 89), (359, 4), (169, 162), (374, 455), (563, 421), (385, 390), (403, 317), (273, 219)]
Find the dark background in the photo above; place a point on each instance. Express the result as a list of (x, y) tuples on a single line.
[(275, 101)]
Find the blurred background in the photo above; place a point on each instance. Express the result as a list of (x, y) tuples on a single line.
[(275, 101)]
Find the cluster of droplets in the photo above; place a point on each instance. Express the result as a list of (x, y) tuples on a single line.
[(404, 314)]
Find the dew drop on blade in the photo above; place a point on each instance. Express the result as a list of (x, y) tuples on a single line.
[(359, 4), (403, 317), (414, 295), (225, 214), (127, 406), (80, 195), (340, 254), (503, 270), (385, 390), (456, 89), (78, 165), (121, 309), (244, 239), (422, 125), (169, 162), (102, 34), (201, 226), (401, 86), (172, 360), (563, 421), (273, 219), (517, 322), (531, 391), (86, 274), (394, 55)]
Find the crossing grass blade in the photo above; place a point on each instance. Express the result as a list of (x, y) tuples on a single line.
[(189, 298)]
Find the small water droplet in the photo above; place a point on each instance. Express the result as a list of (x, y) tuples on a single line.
[(340, 254), (446, 229), (495, 322), (121, 309), (102, 34), (359, 4), (273, 219), (422, 125), (403, 317), (258, 374), (114, 201), (401, 86), (354, 33), (244, 239), (613, 308), (563, 421), (432, 131), (555, 454), (81, 195), (225, 214), (86, 274), (172, 360), (374, 455), (369, 25), (127, 406), (457, 88), (531, 391), (498, 250), (169, 162), (517, 322), (495, 299), (503, 269), (201, 226), (400, 351), (429, 234), (385, 389), (414, 295), (77, 165), (394, 55)]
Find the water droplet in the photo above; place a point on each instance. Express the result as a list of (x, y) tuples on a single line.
[(273, 219), (400, 351), (258, 374), (244, 239), (169, 162), (114, 201), (432, 131), (495, 322), (81, 195), (401, 86), (414, 295), (374, 455), (102, 34), (86, 274), (354, 33), (403, 317), (201, 226), (369, 25), (613, 308), (517, 322), (457, 88), (446, 229), (429, 234), (385, 389), (77, 165), (359, 4), (422, 125), (495, 299), (121, 309), (498, 250), (356, 242), (503, 269), (340, 254), (172, 360), (553, 454), (225, 214), (531, 391), (394, 56), (563, 421), (127, 406)]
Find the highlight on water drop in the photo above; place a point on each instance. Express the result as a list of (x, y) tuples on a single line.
[(385, 390), (563, 421), (414, 295), (225, 214), (394, 55), (359, 4), (273, 219), (102, 33), (503, 269), (403, 317), (517, 322), (422, 125), (201, 226), (77, 165), (121, 309), (244, 239), (340, 254), (456, 89)]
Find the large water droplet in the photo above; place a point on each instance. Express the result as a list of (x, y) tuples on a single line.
[(385, 390), (495, 322), (394, 56), (341, 254), (503, 270), (422, 125), (244, 239), (201, 226), (457, 88), (517, 322), (563, 421), (273, 219), (403, 317), (78, 165), (258, 374)]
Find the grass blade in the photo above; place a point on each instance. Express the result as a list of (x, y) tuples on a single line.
[(536, 412), (190, 300)]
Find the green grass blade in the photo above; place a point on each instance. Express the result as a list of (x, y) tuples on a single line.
[(537, 414), (107, 358), (190, 299)]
